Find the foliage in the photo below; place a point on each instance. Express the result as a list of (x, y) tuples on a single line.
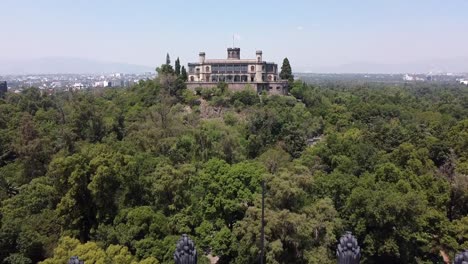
[(286, 71), (117, 177)]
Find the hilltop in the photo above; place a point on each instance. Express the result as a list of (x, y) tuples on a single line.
[(119, 174)]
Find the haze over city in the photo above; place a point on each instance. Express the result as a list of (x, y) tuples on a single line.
[(316, 36), (233, 132)]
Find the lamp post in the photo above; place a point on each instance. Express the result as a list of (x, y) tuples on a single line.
[(262, 235)]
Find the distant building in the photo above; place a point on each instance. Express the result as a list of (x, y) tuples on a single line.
[(237, 73), (117, 75), (56, 84), (3, 88), (408, 78), (102, 84), (78, 86), (464, 81)]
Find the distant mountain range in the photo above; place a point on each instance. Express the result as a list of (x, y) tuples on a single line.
[(455, 65), (62, 65)]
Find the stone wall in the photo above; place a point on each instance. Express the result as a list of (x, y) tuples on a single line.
[(231, 86), (279, 88)]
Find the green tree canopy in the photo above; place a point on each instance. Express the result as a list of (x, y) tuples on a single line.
[(286, 71)]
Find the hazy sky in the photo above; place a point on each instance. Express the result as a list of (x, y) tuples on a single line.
[(311, 33)]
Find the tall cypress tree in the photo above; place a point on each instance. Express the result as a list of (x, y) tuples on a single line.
[(183, 74), (166, 68), (168, 59), (286, 71), (177, 67)]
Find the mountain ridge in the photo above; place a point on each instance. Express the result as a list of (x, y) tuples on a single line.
[(454, 65), (67, 65)]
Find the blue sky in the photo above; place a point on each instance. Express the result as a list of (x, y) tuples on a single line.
[(312, 34)]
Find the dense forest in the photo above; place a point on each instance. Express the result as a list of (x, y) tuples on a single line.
[(117, 175)]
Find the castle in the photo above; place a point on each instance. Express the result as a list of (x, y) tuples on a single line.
[(237, 73)]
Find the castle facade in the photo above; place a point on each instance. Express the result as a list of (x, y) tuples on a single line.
[(237, 73)]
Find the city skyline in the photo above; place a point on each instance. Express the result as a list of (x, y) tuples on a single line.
[(315, 36)]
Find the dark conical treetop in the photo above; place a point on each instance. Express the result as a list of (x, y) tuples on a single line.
[(185, 252), (75, 260), (286, 71), (177, 67), (183, 74), (168, 59), (461, 258), (348, 250)]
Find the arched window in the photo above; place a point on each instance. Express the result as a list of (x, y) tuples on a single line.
[(207, 69), (192, 79), (252, 68)]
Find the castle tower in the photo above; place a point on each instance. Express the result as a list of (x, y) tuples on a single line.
[(259, 77), (202, 57), (259, 56), (233, 53)]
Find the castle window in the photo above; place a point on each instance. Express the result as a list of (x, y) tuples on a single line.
[(192, 79), (270, 68), (244, 68), (252, 68), (207, 68)]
